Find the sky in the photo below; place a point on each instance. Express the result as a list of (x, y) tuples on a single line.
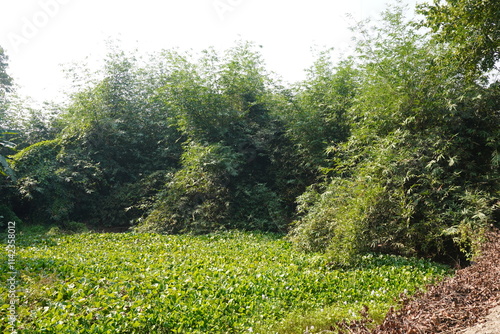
[(41, 35)]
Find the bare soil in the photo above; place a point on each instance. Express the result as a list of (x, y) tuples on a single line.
[(488, 325)]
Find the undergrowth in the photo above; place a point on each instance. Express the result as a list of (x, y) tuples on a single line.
[(230, 282)]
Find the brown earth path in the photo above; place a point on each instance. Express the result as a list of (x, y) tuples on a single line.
[(488, 325)]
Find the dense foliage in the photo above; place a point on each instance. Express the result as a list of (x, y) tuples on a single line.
[(5, 82), (234, 170), (218, 283), (6, 145), (470, 27), (420, 169), (394, 149)]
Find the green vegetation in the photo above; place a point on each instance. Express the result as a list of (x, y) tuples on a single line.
[(375, 160), (419, 172), (218, 283), (5, 145), (470, 27), (394, 149)]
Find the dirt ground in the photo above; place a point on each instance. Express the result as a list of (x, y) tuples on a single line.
[(467, 303), (489, 325)]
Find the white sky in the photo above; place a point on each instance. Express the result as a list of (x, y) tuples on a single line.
[(40, 35)]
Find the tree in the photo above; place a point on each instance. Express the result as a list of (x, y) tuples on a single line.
[(419, 173), (232, 165), (5, 87), (5, 81), (318, 118), (115, 146), (472, 27), (6, 146)]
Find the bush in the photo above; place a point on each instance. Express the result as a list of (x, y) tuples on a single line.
[(74, 227), (419, 173), (7, 215), (196, 198), (257, 207), (337, 219), (40, 188)]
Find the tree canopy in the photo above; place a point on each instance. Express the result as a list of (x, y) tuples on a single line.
[(5, 79), (469, 26), (5, 87), (394, 149)]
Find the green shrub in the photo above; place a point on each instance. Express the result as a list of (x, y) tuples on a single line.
[(74, 227), (54, 231), (7, 215), (337, 220), (419, 173), (256, 207), (196, 198), (44, 193), (397, 200)]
